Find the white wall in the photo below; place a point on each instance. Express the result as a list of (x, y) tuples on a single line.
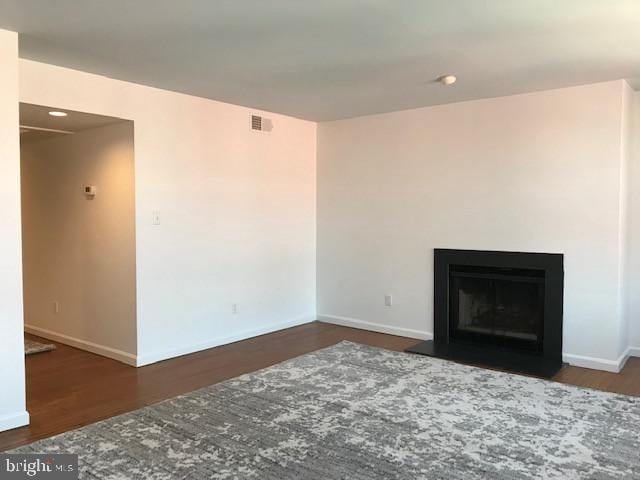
[(12, 399), (237, 210), (624, 220), (633, 240), (539, 172), (77, 251)]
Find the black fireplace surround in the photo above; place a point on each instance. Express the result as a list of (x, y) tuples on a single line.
[(500, 309)]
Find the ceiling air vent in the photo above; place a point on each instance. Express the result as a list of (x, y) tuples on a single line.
[(256, 122)]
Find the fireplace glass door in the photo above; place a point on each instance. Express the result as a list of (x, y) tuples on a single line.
[(497, 306)]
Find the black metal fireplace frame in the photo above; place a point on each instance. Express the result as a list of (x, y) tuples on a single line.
[(551, 264), (543, 363)]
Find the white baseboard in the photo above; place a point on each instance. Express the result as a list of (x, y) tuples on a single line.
[(598, 363), (576, 360), (124, 357), (375, 327), (15, 420), (154, 357)]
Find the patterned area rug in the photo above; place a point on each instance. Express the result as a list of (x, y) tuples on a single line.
[(357, 412), (31, 347)]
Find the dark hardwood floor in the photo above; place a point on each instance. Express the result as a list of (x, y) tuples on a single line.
[(69, 388)]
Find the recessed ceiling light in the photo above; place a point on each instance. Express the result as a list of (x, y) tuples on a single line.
[(447, 79), (55, 113)]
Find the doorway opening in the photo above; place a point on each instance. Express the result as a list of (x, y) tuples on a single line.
[(78, 233)]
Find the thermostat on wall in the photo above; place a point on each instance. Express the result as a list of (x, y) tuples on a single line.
[(90, 191)]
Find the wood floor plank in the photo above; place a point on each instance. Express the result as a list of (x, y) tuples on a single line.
[(69, 388)]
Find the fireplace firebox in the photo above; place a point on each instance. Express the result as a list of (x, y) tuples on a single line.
[(499, 309)]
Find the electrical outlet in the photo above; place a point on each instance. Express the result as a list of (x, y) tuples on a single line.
[(234, 308), (56, 306), (388, 300)]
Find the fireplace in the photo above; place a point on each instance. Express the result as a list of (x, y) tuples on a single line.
[(500, 309)]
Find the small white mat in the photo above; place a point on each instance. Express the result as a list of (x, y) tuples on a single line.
[(31, 347)]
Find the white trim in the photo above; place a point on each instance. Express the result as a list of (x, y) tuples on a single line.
[(216, 342), (375, 327), (598, 363), (124, 357), (634, 351), (14, 420), (576, 360), (623, 359)]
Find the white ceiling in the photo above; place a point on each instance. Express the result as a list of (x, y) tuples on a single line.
[(333, 59)]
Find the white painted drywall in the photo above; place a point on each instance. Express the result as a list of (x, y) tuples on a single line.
[(236, 207), (539, 172), (633, 239), (12, 399), (80, 251), (624, 220)]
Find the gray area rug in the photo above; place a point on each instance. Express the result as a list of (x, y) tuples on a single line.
[(31, 347), (357, 412)]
